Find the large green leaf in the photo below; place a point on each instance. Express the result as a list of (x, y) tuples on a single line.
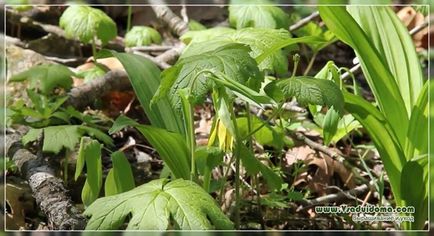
[(258, 14), (158, 205), (57, 137), (307, 90), (46, 77), (232, 60), (171, 146), (395, 45), (375, 69), (85, 23), (142, 36), (383, 137), (259, 40), (145, 79)]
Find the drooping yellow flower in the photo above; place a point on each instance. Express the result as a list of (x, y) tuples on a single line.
[(223, 136)]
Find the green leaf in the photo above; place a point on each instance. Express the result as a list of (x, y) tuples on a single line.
[(98, 134), (383, 137), (375, 68), (414, 192), (31, 135), (204, 35), (46, 77), (259, 40), (307, 90), (61, 136), (121, 177), (266, 135), (396, 47), (142, 36), (243, 15), (254, 166), (232, 60), (418, 130), (90, 153), (345, 125), (313, 29), (93, 73), (85, 23), (171, 147), (195, 25), (145, 79), (158, 205), (330, 125)]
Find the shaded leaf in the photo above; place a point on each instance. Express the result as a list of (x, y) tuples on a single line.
[(61, 136)]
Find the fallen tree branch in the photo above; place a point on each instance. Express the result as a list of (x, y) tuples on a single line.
[(48, 191), (80, 97)]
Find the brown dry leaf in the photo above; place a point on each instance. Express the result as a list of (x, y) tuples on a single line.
[(411, 19), (19, 201), (325, 170)]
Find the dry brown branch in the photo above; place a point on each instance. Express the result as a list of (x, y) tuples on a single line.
[(48, 190)]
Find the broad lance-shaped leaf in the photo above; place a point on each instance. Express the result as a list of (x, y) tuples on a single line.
[(393, 42), (120, 177), (85, 23), (307, 90), (232, 60), (46, 77), (258, 14), (145, 79), (171, 147), (142, 36), (383, 137), (158, 205), (375, 69)]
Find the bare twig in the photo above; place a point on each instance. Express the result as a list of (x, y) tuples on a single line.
[(160, 63), (304, 21), (48, 190), (153, 48), (337, 197)]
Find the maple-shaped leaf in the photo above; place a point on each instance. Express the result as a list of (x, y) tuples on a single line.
[(46, 77), (158, 205), (85, 23), (258, 14)]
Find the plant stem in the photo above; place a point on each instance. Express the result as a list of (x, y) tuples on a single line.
[(237, 156), (129, 18), (311, 61), (265, 122), (94, 48)]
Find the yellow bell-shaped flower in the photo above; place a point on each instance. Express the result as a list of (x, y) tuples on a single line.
[(224, 137)]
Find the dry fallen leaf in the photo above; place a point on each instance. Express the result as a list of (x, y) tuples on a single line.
[(324, 169), (411, 19)]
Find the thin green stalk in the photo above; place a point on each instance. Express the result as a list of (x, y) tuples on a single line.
[(129, 18), (275, 113), (237, 156), (94, 48), (311, 61)]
